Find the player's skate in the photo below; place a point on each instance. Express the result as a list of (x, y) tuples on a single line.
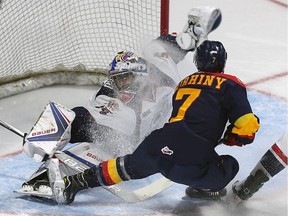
[(246, 188), (66, 190), (270, 164), (205, 194)]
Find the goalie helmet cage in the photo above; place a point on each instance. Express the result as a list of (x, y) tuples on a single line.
[(48, 42)]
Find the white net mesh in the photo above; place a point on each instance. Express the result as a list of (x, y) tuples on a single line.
[(44, 35)]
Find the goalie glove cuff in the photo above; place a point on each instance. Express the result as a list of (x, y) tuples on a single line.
[(191, 37), (185, 41), (194, 30)]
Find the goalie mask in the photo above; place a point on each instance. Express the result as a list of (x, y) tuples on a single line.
[(210, 56), (125, 69)]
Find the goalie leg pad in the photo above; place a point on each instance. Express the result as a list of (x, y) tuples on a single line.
[(56, 180)]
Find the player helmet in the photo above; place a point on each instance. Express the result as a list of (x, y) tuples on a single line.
[(124, 67), (210, 56)]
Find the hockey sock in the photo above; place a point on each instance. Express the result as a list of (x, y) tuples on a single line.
[(112, 172)]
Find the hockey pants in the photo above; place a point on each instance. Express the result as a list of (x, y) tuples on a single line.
[(182, 157)]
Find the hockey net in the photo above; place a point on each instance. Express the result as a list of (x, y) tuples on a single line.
[(47, 42)]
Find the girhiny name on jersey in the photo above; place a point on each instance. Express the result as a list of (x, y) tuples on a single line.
[(203, 79)]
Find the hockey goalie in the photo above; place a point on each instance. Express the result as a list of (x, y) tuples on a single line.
[(134, 101)]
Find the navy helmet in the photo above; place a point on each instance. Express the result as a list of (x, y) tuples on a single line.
[(210, 56)]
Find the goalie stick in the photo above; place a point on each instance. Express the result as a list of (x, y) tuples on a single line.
[(131, 196), (142, 193), (12, 129)]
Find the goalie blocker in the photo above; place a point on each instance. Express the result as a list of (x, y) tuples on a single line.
[(50, 133), (271, 163)]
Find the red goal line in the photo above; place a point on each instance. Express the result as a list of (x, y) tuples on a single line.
[(269, 78)]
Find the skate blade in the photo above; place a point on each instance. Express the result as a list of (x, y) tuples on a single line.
[(199, 199), (233, 201), (30, 192)]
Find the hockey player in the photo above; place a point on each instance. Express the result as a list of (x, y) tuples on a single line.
[(142, 76), (134, 87), (140, 97), (133, 101), (128, 106), (183, 150)]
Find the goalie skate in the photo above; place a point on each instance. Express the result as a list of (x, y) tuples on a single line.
[(41, 190), (37, 185)]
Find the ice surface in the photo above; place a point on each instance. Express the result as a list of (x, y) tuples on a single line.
[(255, 36)]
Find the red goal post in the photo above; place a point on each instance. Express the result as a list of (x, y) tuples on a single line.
[(48, 42)]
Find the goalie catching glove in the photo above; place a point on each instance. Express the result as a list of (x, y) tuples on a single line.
[(201, 21), (243, 131)]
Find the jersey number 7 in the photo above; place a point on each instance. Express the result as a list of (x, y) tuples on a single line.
[(193, 94)]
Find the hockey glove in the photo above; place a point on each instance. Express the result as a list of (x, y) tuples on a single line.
[(243, 130), (190, 37), (193, 32), (232, 139)]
